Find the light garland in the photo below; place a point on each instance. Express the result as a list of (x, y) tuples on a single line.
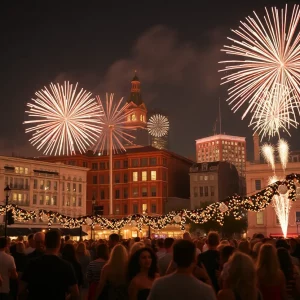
[(216, 211)]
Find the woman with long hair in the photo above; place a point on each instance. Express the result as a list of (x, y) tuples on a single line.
[(84, 258), (113, 281), (142, 270), (271, 281), (291, 273), (240, 282)]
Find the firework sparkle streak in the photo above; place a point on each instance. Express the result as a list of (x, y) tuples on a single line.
[(283, 150), (274, 112), (268, 153), (268, 53), (63, 119), (158, 125), (113, 119)]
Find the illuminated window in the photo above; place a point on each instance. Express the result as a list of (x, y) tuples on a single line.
[(141, 118), (205, 177), (153, 175), (21, 170), (47, 200), (17, 169), (144, 208), (135, 176), (133, 117), (260, 218), (26, 170), (144, 176)]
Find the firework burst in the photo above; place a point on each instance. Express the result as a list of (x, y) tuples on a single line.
[(158, 125), (113, 120), (268, 53), (64, 120)]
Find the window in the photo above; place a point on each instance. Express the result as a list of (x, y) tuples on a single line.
[(74, 187), (117, 194), (153, 191), (69, 186), (206, 191), (99, 210), (21, 170), (135, 192), (135, 176), (117, 178), (205, 177), (144, 191), (102, 166), (260, 218), (133, 117), (80, 188), (201, 178), (125, 193), (211, 177), (144, 208), (94, 194), (63, 200), (144, 175), (55, 185), (204, 167), (94, 166), (135, 208), (117, 164), (201, 191), (258, 185), (35, 183), (79, 201), (153, 175), (94, 179), (26, 171), (101, 179), (135, 163), (17, 170), (47, 200), (125, 209), (34, 199), (164, 175), (42, 184), (117, 209), (41, 199), (73, 201), (125, 178), (153, 161), (144, 162), (63, 186), (125, 164), (153, 208), (102, 194), (84, 164), (298, 216), (195, 191), (164, 161), (212, 191)]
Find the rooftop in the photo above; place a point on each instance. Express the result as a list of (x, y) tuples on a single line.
[(221, 137)]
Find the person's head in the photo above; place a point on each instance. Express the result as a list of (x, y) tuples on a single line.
[(3, 243), (187, 236), (285, 262), (113, 240), (31, 240), (281, 243), (267, 264), (160, 243), (184, 254), (242, 276), (244, 247), (226, 253), (20, 247), (168, 243), (145, 260), (81, 250), (102, 251), (137, 239), (135, 247), (68, 252), (256, 249), (52, 240), (213, 240), (39, 240), (20, 238)]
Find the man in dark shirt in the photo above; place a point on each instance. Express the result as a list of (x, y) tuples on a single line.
[(211, 258), (48, 276), (39, 241)]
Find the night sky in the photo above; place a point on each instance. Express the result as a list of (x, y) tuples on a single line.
[(174, 47)]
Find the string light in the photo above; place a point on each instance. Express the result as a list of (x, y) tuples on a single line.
[(234, 205)]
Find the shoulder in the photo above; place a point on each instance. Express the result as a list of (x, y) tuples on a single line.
[(225, 294)]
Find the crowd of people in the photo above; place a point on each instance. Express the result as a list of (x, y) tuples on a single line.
[(47, 266)]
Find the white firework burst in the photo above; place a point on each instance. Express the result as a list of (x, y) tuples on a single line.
[(64, 120), (158, 125), (113, 120), (275, 112)]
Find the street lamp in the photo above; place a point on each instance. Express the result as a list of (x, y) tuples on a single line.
[(93, 213), (7, 191)]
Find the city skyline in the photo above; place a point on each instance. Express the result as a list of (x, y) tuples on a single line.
[(181, 69)]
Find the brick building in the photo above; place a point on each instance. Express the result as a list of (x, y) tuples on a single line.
[(143, 178)]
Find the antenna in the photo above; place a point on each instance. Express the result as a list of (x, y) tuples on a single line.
[(220, 120)]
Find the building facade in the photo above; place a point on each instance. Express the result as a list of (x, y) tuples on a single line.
[(266, 221), (38, 185), (212, 182), (223, 147), (143, 178)]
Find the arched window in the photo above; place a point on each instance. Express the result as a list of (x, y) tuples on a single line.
[(141, 118), (133, 117)]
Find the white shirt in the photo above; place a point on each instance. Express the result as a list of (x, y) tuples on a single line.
[(7, 264), (29, 250)]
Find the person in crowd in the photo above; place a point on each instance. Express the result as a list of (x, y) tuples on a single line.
[(164, 262), (187, 236), (49, 277), (31, 244), (39, 241), (182, 284), (240, 281), (271, 281), (161, 251), (291, 273), (135, 247), (142, 270), (211, 258), (94, 269), (281, 243), (225, 254), (244, 247), (113, 240), (84, 258), (7, 270), (69, 255), (113, 279)]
